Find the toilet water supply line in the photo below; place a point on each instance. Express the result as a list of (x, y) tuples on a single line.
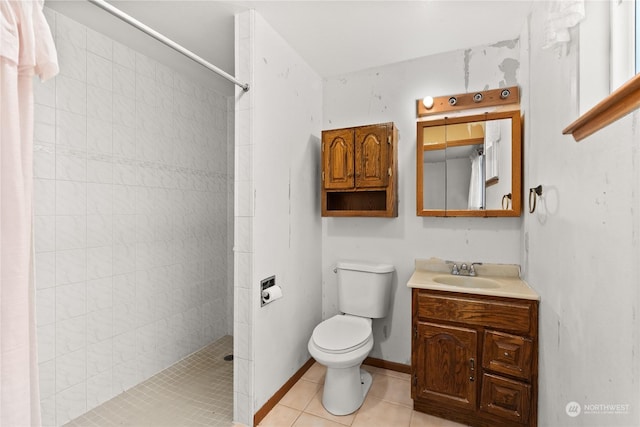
[(167, 41)]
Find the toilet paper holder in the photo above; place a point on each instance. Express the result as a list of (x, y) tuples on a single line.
[(269, 292)]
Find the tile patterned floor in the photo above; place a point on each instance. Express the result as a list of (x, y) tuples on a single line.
[(388, 404), (196, 391)]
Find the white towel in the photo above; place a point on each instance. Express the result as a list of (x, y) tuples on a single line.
[(491, 132), (492, 136), (476, 184)]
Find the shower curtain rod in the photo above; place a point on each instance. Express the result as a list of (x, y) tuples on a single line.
[(167, 41)]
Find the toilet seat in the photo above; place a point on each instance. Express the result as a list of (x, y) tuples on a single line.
[(342, 334)]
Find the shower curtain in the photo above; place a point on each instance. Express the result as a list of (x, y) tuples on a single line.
[(26, 49)]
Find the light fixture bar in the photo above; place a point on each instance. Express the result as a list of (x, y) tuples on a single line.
[(466, 101)]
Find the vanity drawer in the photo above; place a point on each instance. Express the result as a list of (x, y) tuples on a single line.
[(507, 354), (505, 398), (481, 311)]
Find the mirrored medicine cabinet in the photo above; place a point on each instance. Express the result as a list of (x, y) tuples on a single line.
[(470, 165)]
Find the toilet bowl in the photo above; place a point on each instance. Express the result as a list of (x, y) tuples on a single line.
[(341, 343)]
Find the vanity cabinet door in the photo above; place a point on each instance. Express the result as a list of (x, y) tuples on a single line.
[(338, 159), (372, 146), (446, 364)]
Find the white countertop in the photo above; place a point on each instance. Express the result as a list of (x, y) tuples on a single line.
[(506, 275)]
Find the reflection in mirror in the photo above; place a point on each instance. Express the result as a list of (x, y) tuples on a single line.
[(466, 165), (465, 171), (434, 178), (498, 169)]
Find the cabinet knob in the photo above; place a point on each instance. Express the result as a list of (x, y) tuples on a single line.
[(471, 379), (506, 354)]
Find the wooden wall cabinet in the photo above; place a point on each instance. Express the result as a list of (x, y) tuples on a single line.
[(359, 171), (475, 358)]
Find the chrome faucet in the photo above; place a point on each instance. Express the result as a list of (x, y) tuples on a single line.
[(464, 269), (472, 271)]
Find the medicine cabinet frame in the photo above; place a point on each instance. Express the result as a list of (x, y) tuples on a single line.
[(511, 202)]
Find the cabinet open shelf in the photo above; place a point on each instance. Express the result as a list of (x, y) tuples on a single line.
[(356, 203)]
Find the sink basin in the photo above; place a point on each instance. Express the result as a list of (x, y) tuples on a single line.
[(499, 280), (467, 281)]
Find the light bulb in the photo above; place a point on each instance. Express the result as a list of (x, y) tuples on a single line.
[(427, 101)]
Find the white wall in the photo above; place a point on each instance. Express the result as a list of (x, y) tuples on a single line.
[(581, 246), (278, 229), (130, 220), (389, 93)]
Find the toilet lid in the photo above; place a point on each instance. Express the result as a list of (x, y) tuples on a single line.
[(342, 333)]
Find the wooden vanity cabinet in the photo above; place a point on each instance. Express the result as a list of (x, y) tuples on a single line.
[(475, 358), (359, 171)]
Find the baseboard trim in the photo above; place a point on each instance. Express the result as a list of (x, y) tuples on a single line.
[(385, 364), (278, 395)]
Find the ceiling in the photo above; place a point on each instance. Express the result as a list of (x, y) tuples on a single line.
[(334, 37)]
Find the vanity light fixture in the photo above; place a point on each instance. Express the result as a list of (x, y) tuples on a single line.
[(427, 101), (430, 105)]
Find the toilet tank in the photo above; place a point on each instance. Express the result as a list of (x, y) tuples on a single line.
[(364, 288)]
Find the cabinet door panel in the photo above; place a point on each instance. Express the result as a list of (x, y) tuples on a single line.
[(372, 156), (506, 398), (447, 356), (507, 354), (337, 159)]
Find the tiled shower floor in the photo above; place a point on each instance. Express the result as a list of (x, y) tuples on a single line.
[(196, 391)]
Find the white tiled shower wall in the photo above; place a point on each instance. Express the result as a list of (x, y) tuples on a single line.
[(132, 182)]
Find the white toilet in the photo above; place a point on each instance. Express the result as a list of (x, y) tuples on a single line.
[(342, 342)]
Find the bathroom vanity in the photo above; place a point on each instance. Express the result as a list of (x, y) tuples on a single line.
[(474, 345)]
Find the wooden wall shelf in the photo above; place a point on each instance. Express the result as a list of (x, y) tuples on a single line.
[(615, 106)]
